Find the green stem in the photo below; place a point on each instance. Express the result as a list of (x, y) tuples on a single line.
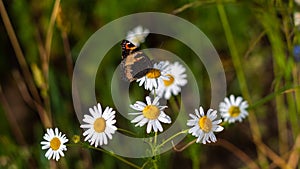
[(172, 137), (285, 89), (198, 3), (111, 154), (154, 161), (126, 131), (275, 27), (154, 152), (155, 138), (154, 92), (173, 104), (241, 79), (295, 116)]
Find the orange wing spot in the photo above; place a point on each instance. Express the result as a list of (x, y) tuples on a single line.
[(130, 48)]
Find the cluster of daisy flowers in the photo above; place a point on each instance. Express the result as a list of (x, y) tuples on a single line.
[(163, 81)]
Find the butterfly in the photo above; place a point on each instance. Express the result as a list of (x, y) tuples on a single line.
[(135, 64)]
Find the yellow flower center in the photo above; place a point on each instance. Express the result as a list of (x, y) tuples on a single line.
[(153, 73), (234, 111), (99, 125), (205, 124), (151, 112), (55, 143), (170, 81)]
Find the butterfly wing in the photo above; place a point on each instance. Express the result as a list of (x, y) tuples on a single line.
[(135, 66), (128, 48)]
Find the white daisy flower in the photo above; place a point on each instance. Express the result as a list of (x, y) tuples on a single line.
[(137, 35), (155, 76), (99, 126), (204, 126), (233, 109), (151, 113), (177, 79), (55, 143)]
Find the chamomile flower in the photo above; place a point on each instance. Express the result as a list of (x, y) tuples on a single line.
[(137, 35), (204, 126), (155, 76), (55, 143), (177, 79), (233, 109), (99, 125), (151, 113)]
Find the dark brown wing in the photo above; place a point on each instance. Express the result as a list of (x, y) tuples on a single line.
[(135, 65)]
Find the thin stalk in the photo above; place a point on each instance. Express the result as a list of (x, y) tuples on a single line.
[(295, 120), (154, 161), (19, 54), (184, 147), (174, 105), (50, 28), (155, 139), (196, 4), (294, 156), (254, 43), (281, 91), (113, 155), (154, 152), (237, 152), (292, 113), (281, 67), (12, 119), (45, 57), (126, 131), (172, 137), (242, 80)]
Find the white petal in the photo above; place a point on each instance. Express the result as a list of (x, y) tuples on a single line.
[(164, 118), (104, 138), (142, 122), (155, 101), (219, 128), (238, 101), (148, 100), (137, 119), (201, 112), (99, 107), (149, 126), (158, 125), (232, 100)]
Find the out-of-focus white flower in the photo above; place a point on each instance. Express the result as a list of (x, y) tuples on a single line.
[(137, 35), (233, 109), (177, 79), (297, 18)]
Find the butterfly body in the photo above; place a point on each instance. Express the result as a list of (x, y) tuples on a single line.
[(135, 63)]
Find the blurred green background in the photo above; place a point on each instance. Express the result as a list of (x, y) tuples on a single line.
[(258, 62)]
